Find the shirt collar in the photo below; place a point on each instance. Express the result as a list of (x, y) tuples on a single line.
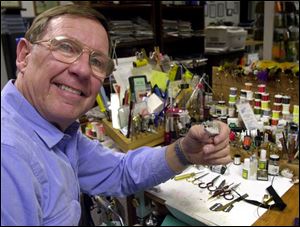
[(51, 135)]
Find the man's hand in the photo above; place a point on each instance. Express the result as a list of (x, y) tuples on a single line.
[(199, 148)]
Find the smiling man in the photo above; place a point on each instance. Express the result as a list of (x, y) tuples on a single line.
[(45, 160)]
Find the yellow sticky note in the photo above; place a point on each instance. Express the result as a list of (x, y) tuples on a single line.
[(159, 78)]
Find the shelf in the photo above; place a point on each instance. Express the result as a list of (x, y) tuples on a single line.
[(155, 12), (172, 39), (182, 7), (251, 42), (135, 43), (121, 7)]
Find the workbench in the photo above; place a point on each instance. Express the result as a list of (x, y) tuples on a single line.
[(190, 204)]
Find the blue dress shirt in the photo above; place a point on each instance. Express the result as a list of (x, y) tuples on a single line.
[(43, 170)]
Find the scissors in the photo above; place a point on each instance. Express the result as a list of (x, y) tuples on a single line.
[(196, 180), (210, 185), (226, 191)]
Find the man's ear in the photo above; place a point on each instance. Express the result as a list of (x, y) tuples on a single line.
[(23, 50)]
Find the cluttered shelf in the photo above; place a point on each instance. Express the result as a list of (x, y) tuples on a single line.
[(141, 43)]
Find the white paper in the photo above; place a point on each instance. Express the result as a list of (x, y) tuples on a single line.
[(247, 115), (122, 72), (193, 201), (115, 105)]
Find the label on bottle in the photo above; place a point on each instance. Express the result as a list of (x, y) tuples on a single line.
[(262, 164), (245, 174)]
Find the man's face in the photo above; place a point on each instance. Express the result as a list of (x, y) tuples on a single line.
[(62, 92)]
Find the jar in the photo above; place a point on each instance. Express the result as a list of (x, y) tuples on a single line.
[(221, 108), (273, 166)]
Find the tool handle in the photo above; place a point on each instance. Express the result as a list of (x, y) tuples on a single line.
[(184, 176)]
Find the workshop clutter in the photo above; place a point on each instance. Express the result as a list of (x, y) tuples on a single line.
[(156, 96), (156, 101)]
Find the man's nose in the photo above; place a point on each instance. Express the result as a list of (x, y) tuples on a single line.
[(81, 66)]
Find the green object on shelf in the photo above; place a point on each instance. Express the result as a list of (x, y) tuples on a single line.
[(172, 221)]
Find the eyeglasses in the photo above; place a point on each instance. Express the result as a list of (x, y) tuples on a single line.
[(68, 50)]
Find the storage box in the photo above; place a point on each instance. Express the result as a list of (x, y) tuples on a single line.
[(224, 38), (142, 139)]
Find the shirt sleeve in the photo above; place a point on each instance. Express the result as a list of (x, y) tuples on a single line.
[(20, 201), (110, 173)]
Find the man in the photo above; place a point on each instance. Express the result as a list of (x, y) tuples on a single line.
[(45, 160)]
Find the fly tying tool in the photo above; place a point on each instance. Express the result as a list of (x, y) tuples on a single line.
[(185, 176)]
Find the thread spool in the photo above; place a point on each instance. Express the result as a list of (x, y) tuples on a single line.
[(278, 98), (285, 107), (296, 109), (257, 95), (248, 86), (261, 88), (265, 105), (286, 116), (232, 98), (277, 106), (249, 95), (233, 91), (243, 93), (237, 159), (265, 97), (274, 121), (275, 114), (257, 103), (267, 112), (257, 110), (221, 109), (286, 99)]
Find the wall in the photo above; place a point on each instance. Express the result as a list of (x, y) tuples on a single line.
[(222, 10)]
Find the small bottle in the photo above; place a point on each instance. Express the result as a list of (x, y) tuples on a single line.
[(246, 169), (257, 139), (218, 169), (273, 166), (253, 166), (262, 164), (247, 141)]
